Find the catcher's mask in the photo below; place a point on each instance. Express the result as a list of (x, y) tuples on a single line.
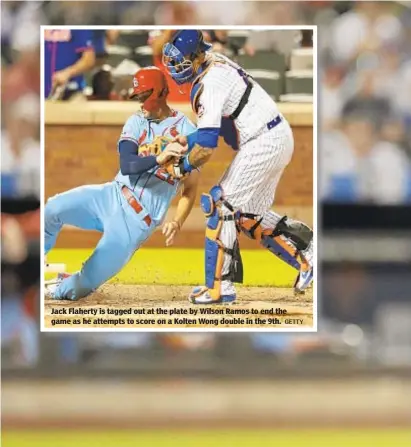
[(150, 88), (178, 54)]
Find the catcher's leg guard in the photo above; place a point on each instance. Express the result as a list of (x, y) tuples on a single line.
[(290, 240), (214, 248), (297, 232)]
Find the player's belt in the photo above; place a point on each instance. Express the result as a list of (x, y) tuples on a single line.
[(135, 204), (274, 122)]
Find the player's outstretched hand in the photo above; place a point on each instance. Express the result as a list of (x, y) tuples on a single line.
[(169, 230), (172, 150)]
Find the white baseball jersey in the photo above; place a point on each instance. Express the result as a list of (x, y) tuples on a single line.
[(223, 85), (250, 182)]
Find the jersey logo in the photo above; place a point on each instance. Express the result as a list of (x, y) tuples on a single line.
[(174, 132)]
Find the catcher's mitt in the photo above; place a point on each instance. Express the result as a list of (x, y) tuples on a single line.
[(159, 143), (155, 147), (174, 168)]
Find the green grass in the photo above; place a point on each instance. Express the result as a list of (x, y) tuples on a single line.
[(183, 266), (202, 438)]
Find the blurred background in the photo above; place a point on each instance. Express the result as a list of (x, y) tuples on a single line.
[(355, 371)]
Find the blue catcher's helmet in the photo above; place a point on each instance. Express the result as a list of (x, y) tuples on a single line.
[(179, 53)]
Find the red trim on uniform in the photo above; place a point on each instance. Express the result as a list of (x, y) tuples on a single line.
[(181, 117), (132, 201), (142, 137), (174, 125), (144, 187)]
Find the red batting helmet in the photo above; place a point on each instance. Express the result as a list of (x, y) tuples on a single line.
[(150, 88)]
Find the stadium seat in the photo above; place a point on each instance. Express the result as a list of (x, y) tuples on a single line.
[(117, 53), (143, 56), (263, 60), (237, 39), (342, 189), (302, 59), (270, 81), (299, 81), (133, 39)]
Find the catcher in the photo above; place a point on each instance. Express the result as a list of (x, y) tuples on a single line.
[(128, 209)]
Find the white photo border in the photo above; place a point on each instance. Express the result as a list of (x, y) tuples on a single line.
[(312, 28)]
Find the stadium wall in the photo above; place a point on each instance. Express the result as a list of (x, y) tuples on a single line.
[(80, 145)]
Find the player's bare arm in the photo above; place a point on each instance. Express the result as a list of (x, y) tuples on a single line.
[(199, 155), (184, 207), (112, 36), (85, 63)]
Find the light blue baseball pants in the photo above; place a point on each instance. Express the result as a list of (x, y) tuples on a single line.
[(102, 208)]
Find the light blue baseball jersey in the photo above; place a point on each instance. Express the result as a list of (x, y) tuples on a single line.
[(154, 189)]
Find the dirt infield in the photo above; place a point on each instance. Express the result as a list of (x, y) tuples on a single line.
[(147, 305)]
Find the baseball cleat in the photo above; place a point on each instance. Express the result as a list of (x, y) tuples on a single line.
[(52, 285), (303, 281), (200, 295)]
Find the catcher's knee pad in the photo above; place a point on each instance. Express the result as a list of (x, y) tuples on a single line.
[(297, 232), (214, 248), (287, 241)]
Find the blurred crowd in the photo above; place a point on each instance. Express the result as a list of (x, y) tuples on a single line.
[(95, 65), (365, 78), (365, 96), (364, 124)]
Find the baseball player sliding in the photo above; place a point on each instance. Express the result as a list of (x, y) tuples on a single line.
[(128, 209), (231, 105)]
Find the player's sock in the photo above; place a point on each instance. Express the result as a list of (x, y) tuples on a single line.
[(227, 288), (228, 237)]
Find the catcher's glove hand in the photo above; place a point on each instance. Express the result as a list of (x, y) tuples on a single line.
[(155, 147), (170, 159)]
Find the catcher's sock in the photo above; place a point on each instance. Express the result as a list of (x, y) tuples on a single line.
[(227, 288), (228, 236), (309, 253)]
